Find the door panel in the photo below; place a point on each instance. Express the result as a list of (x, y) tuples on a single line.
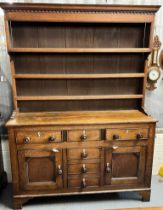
[(44, 173), (40, 169), (125, 165)]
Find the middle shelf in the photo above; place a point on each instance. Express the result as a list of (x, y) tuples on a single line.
[(78, 76), (77, 97), (78, 50)]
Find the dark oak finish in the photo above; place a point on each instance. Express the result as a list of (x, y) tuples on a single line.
[(79, 74)]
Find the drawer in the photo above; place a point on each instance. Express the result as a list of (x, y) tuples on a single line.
[(84, 168), (84, 182), (83, 153), (127, 134), (83, 135), (36, 137)]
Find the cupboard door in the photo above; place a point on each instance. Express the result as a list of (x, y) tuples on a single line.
[(40, 170), (125, 165)]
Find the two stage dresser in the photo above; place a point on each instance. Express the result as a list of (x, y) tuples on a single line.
[(79, 75)]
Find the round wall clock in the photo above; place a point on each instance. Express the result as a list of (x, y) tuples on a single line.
[(154, 73)]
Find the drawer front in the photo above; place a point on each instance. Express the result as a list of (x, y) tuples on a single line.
[(84, 168), (84, 182), (36, 137), (127, 134), (83, 153), (83, 135)]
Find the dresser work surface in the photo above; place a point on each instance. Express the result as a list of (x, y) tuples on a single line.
[(77, 118)]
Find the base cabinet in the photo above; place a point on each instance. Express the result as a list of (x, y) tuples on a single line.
[(62, 160), (43, 170)]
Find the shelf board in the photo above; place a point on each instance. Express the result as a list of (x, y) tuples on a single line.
[(79, 50), (78, 76), (77, 97)]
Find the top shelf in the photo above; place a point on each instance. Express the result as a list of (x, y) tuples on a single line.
[(79, 50)]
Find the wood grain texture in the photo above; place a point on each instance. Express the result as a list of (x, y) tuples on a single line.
[(87, 117), (63, 89), (62, 98), (79, 50), (70, 17), (79, 105), (79, 63), (78, 76), (128, 134), (81, 37), (73, 7), (37, 137)]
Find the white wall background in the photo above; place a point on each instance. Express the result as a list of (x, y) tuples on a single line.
[(154, 100)]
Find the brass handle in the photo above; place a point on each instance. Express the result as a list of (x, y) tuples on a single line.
[(84, 154), (84, 169), (84, 184), (83, 137), (115, 137), (59, 170), (51, 139), (114, 147), (55, 150), (139, 136), (108, 169), (27, 140)]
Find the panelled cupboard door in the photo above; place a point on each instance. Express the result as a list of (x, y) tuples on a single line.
[(125, 165), (40, 170)]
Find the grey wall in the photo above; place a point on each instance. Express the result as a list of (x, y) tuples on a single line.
[(154, 99)]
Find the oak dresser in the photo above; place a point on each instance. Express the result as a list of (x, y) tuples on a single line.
[(79, 75)]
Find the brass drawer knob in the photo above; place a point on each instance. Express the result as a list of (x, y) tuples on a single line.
[(84, 169), (51, 139), (59, 170), (139, 136), (115, 137), (84, 154), (84, 184), (108, 169), (27, 140), (83, 137)]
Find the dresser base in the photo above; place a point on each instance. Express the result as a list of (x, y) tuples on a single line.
[(18, 201)]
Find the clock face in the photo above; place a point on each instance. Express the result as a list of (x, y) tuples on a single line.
[(154, 74)]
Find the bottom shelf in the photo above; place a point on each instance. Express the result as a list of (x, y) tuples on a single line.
[(77, 97)]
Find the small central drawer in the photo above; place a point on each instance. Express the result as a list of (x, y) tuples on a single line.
[(83, 153), (36, 137), (84, 168), (127, 134), (83, 135), (83, 182)]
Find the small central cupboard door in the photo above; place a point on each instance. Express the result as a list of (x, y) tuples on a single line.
[(125, 165), (40, 170)]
